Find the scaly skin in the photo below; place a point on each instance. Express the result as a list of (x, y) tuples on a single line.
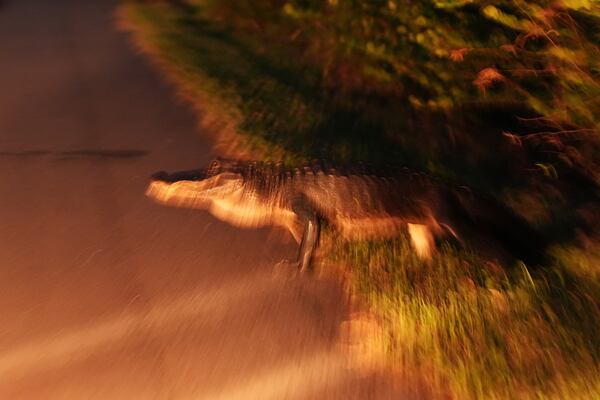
[(360, 202)]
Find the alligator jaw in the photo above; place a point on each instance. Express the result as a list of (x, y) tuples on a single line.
[(190, 175), (178, 194)]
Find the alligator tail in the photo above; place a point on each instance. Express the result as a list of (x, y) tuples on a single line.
[(486, 215)]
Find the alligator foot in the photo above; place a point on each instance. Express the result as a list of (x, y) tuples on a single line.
[(288, 264)]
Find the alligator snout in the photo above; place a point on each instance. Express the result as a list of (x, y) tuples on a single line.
[(191, 175), (161, 176)]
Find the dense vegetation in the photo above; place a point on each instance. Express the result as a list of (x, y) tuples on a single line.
[(443, 53), (502, 96)]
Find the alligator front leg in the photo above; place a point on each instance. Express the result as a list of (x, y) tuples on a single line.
[(305, 230), (310, 239)]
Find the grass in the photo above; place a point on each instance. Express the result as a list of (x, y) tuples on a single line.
[(282, 109), (478, 329), (280, 105), (471, 327)]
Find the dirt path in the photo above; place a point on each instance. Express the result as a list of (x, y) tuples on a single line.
[(104, 295)]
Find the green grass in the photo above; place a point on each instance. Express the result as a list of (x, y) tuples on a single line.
[(481, 330), (471, 327)]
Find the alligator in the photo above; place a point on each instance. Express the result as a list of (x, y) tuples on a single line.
[(359, 201)]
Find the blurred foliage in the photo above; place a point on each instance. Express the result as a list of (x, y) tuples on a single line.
[(479, 330), (444, 53), (442, 86)]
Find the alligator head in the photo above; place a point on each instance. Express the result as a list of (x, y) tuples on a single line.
[(196, 188), (223, 190)]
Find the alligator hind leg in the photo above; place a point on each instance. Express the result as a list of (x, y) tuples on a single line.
[(422, 240)]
